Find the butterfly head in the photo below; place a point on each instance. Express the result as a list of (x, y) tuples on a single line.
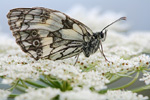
[(102, 35)]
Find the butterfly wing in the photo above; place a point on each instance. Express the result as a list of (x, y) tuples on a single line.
[(47, 33)]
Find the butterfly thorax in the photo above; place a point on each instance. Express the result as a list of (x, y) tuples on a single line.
[(91, 46)]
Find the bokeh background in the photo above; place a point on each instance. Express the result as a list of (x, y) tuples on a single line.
[(137, 11)]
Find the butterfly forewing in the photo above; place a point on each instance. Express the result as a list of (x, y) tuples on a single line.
[(47, 33)]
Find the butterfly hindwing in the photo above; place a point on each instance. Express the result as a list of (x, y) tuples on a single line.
[(46, 33)]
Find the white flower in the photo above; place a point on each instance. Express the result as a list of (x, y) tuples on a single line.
[(7, 81), (39, 94), (30, 89), (146, 78), (81, 94), (4, 94), (16, 67), (117, 64), (91, 79), (140, 40), (64, 71), (130, 44), (124, 95)]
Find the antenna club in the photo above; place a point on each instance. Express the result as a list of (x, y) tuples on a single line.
[(123, 18)]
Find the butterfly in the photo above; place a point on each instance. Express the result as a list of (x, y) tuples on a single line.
[(51, 34)]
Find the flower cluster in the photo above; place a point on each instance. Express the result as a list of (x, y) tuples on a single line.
[(79, 94), (146, 78), (40, 94), (14, 67), (124, 95), (4, 94)]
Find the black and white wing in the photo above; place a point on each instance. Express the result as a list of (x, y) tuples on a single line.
[(47, 33)]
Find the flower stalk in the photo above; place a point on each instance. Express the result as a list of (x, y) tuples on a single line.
[(128, 84), (35, 84), (142, 88)]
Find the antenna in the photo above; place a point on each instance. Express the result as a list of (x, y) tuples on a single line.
[(122, 18)]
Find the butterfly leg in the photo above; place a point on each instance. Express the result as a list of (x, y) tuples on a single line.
[(101, 51), (76, 59)]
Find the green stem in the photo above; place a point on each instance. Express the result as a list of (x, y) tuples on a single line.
[(68, 86), (141, 88), (47, 83), (13, 95), (148, 69), (115, 78), (55, 83), (34, 84), (64, 85), (20, 88), (107, 75), (130, 83), (110, 77), (14, 86), (23, 83)]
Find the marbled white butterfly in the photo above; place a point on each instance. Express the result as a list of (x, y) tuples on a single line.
[(51, 34)]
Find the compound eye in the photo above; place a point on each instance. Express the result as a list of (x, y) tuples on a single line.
[(103, 35)]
